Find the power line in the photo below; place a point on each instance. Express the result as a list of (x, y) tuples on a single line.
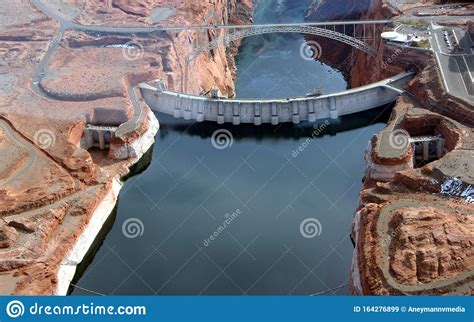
[(330, 290), (86, 290)]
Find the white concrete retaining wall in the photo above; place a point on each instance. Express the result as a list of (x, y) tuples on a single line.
[(274, 111)]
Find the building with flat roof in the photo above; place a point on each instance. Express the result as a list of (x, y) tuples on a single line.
[(394, 36)]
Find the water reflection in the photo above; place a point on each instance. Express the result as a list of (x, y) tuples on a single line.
[(281, 132), (192, 188)]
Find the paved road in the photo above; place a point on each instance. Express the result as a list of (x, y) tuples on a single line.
[(128, 30), (32, 153), (450, 67), (456, 65), (431, 8), (42, 69), (131, 125)]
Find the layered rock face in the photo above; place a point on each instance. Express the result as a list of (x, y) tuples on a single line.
[(413, 229), (198, 76), (334, 53), (56, 191), (421, 245)]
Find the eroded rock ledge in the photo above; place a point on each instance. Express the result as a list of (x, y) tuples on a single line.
[(413, 229), (57, 187)]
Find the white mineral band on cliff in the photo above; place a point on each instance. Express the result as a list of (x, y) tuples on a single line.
[(67, 269)]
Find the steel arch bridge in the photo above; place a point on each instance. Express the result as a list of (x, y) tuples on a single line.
[(303, 29)]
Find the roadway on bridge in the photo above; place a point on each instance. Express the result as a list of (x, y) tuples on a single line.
[(450, 66), (66, 24)]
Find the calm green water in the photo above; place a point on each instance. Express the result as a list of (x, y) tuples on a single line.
[(262, 186)]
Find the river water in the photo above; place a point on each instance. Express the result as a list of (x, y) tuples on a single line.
[(251, 197)]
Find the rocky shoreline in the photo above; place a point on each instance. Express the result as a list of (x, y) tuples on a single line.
[(413, 229), (67, 268), (49, 224), (426, 247)]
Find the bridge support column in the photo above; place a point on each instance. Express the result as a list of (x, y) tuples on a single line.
[(101, 139), (440, 148), (311, 114), (426, 150), (220, 113), (236, 113), (200, 111), (274, 117), (257, 118), (177, 108), (89, 138), (187, 109), (333, 109), (296, 113)]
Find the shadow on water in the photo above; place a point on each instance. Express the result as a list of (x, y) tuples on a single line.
[(136, 169), (283, 131), (242, 132), (181, 198)]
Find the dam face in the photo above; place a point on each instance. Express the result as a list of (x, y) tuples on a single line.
[(273, 111)]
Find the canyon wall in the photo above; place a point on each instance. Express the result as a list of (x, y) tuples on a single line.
[(214, 69), (413, 229), (361, 69), (55, 193)]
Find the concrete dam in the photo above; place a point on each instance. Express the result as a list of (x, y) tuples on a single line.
[(274, 111)]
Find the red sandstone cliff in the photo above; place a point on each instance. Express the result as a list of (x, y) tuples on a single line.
[(413, 231), (53, 190)]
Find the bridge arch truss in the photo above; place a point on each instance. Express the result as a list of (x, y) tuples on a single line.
[(303, 29)]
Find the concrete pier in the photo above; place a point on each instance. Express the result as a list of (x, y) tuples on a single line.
[(98, 136), (428, 147)]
